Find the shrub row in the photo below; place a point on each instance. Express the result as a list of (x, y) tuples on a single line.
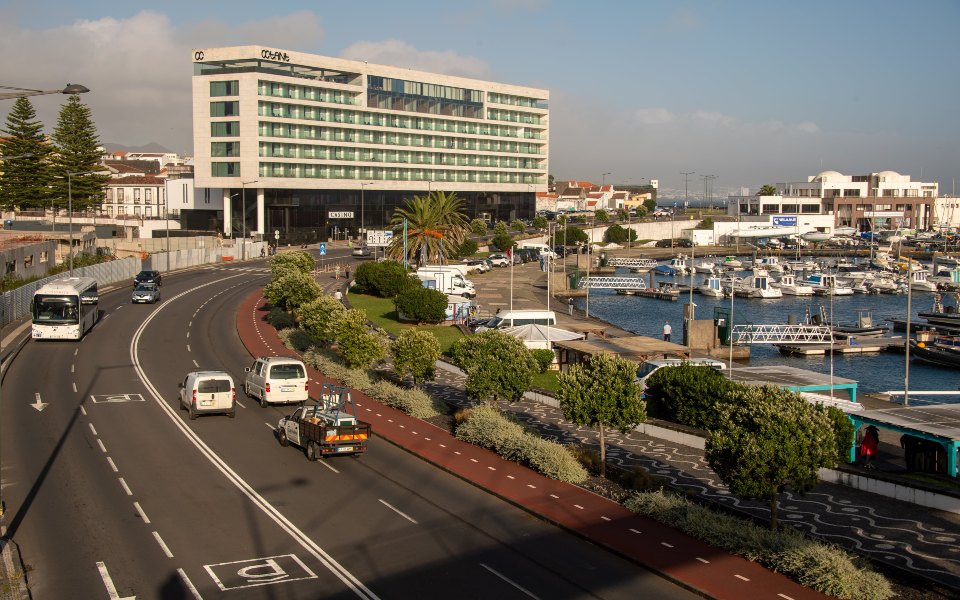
[(488, 428), (823, 567), (415, 403)]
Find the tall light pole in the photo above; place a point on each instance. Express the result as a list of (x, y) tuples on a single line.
[(243, 217), (362, 226), (70, 90), (604, 177)]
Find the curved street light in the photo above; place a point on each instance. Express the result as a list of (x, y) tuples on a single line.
[(18, 92)]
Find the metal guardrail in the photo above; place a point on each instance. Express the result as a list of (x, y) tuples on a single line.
[(782, 334), (616, 283), (631, 262)]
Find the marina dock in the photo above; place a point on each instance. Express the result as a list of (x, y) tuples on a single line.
[(670, 294), (854, 345)]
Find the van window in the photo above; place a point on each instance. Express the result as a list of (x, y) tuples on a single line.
[(213, 386), (645, 369), (291, 371)]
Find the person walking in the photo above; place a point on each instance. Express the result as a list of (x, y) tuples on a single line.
[(868, 448), (570, 306), (336, 272), (667, 330)]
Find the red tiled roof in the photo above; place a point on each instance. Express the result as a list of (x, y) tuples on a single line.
[(138, 180)]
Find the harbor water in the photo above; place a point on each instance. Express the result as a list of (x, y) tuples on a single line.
[(874, 372)]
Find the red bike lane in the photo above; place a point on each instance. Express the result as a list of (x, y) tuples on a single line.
[(670, 552)]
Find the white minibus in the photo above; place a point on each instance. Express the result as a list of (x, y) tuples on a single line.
[(65, 309)]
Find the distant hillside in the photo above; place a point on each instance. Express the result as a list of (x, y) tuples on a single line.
[(151, 147)]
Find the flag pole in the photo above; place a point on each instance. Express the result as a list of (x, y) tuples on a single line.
[(510, 255)]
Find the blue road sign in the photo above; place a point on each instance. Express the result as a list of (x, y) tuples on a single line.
[(674, 204), (323, 249)]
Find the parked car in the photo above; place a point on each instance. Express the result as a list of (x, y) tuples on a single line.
[(665, 243), (146, 292), (682, 243), (499, 260), (477, 264), (147, 276)]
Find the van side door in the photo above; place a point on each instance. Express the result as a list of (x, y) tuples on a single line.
[(256, 378)]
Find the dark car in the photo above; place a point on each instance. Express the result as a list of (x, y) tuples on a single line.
[(146, 276), (667, 243), (683, 243)]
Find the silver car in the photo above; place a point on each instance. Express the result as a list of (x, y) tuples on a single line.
[(146, 292)]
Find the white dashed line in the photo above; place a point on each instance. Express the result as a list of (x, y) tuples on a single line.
[(531, 486), (707, 562), (188, 335), (74, 387), (102, 447), (510, 477), (188, 347), (76, 351), (428, 439), (473, 460), (73, 368), (492, 468), (443, 445), (113, 466), (666, 544), (577, 506), (272, 428), (190, 324), (604, 518), (140, 512), (398, 511), (785, 597), (163, 546), (195, 364), (93, 429), (513, 583), (741, 577), (126, 488), (240, 404), (83, 410), (186, 581), (554, 496)]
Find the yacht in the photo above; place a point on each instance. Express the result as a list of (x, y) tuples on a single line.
[(788, 285), (851, 273), (919, 282), (755, 286), (827, 285), (679, 264), (712, 288), (769, 263)]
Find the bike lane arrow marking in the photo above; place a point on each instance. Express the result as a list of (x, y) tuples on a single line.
[(39, 405)]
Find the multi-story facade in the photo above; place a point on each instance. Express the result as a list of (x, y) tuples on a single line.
[(879, 200), (315, 147)]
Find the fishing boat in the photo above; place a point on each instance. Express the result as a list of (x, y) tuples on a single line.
[(769, 263), (711, 288), (665, 270), (862, 327), (679, 264), (827, 285), (943, 315), (919, 282), (943, 351), (788, 286)]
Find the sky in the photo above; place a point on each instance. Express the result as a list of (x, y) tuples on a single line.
[(753, 92)]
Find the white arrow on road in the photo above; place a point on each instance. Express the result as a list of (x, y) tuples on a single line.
[(108, 582), (39, 405)]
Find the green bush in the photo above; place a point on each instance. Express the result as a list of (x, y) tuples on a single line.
[(518, 226), (297, 261), (487, 427), (467, 248), (280, 319), (842, 432), (544, 358), (385, 279), (601, 215), (618, 235), (689, 395), (502, 241), (478, 227), (823, 567), (540, 222), (413, 402), (421, 304), (296, 339)]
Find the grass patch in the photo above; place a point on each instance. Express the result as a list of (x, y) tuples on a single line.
[(546, 381), (382, 312)]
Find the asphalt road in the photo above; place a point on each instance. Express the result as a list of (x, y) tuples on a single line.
[(109, 485)]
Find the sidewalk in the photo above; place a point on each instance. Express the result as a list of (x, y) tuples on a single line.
[(679, 557)]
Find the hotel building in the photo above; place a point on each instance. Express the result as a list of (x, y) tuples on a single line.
[(867, 202), (317, 148)]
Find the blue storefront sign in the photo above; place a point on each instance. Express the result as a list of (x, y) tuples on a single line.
[(785, 221)]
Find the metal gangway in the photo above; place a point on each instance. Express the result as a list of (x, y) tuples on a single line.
[(782, 334), (622, 261), (614, 283)]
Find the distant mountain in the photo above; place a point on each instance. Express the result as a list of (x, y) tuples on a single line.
[(151, 147)]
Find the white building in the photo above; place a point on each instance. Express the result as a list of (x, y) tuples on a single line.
[(322, 145)]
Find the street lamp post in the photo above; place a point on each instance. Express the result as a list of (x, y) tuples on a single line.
[(363, 230), (604, 177), (243, 217), (18, 92)]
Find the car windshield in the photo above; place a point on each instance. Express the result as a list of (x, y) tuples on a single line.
[(145, 287), (293, 371), (55, 309), (645, 369)]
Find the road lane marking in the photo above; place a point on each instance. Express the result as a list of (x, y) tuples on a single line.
[(634, 531), (186, 581), (707, 562), (39, 404), (163, 546), (188, 335), (83, 410), (554, 496), (272, 428), (188, 347), (785, 597), (666, 544), (126, 488), (102, 447), (74, 387), (93, 429), (605, 518), (298, 536), (240, 404), (142, 514), (76, 351), (113, 466), (108, 583), (513, 583), (740, 577), (73, 368), (195, 364), (397, 510), (327, 465)]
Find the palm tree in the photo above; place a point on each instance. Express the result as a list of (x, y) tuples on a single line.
[(436, 226)]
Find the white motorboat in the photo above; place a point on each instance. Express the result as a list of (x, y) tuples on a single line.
[(844, 231), (755, 286), (705, 266), (827, 285), (679, 264), (788, 285), (730, 262), (816, 236), (711, 288), (919, 282), (851, 273), (769, 263)]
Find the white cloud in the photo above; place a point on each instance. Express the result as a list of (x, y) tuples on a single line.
[(401, 54), (654, 116)]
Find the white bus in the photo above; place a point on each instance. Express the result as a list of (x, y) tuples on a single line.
[(65, 309)]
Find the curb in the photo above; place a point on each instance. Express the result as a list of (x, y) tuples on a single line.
[(14, 585)]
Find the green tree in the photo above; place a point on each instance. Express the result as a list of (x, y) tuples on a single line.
[(497, 365), (642, 211), (767, 190), (421, 304), (573, 235), (771, 439), (562, 220), (319, 317), (618, 235), (502, 241), (601, 216), (623, 214), (706, 223), (843, 431), (540, 222), (690, 395), (499, 228), (518, 226), (416, 352), (436, 226), (292, 290), (25, 181), (478, 227), (650, 204), (601, 393), (77, 151), (467, 248), (296, 261), (356, 343)]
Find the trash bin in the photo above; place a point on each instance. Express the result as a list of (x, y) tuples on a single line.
[(603, 259), (574, 280)]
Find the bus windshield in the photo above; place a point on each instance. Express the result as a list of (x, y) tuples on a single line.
[(55, 309)]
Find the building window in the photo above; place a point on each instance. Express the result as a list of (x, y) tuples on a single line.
[(148, 195), (852, 193), (119, 194), (224, 88), (148, 211), (225, 129), (902, 208), (225, 109), (28, 261), (44, 257), (136, 195), (225, 169), (221, 149), (109, 193)]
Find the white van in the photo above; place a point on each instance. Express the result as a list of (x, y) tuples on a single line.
[(277, 380), (541, 248), (448, 282), (208, 392), (649, 367), (514, 318)]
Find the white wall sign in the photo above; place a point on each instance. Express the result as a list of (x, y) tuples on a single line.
[(379, 238), (346, 214)]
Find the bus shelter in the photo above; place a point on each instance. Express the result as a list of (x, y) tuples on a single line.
[(937, 423)]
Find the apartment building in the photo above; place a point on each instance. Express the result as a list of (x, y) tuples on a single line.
[(881, 200), (318, 147)]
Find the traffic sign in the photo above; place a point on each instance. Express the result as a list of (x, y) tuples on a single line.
[(379, 238), (323, 249), (276, 234)]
